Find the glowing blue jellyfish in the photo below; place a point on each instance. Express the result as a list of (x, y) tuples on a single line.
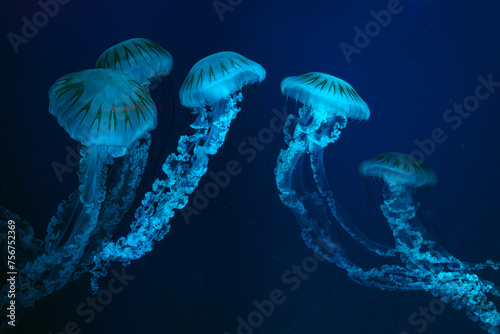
[(148, 64), (142, 59), (106, 111), (110, 114), (427, 267), (328, 103), (212, 89)]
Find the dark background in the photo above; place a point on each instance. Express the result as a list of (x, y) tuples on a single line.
[(204, 275)]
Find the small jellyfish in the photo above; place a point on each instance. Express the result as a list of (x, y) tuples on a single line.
[(427, 266)]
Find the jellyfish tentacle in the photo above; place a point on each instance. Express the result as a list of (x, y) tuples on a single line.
[(213, 97), (108, 112), (73, 214), (89, 105), (28, 245), (312, 132), (462, 289), (62, 222), (183, 171), (50, 271), (327, 103), (64, 260), (119, 198), (69, 219), (92, 174), (317, 167), (442, 274)]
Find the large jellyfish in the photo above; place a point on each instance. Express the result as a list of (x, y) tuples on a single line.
[(110, 114), (105, 110), (212, 90), (327, 105)]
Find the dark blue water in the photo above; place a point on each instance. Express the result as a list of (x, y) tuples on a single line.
[(206, 274)]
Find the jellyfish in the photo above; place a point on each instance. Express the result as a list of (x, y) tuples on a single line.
[(427, 266), (327, 105), (107, 111), (142, 59), (110, 114), (149, 64), (212, 90)]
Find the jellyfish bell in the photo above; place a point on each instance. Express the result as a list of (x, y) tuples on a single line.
[(150, 65), (142, 59), (327, 93), (213, 84), (102, 108), (217, 77), (106, 111), (399, 169), (328, 103), (400, 173)]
